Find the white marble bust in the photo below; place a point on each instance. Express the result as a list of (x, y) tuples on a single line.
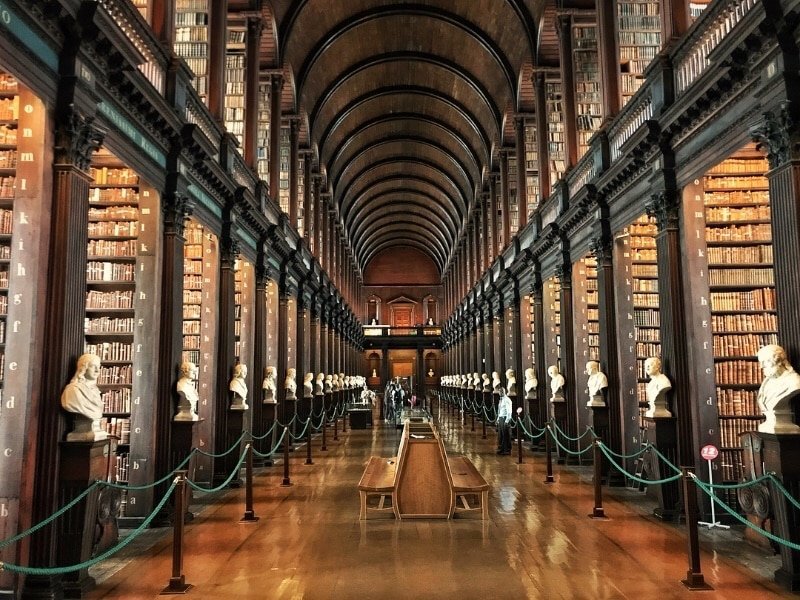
[(308, 385), (269, 386), (476, 381), (556, 384), (657, 389), (328, 383), (469, 382), (531, 384), (496, 383), (596, 384), (487, 383), (319, 384), (778, 389), (82, 397), (511, 382), (238, 388), (291, 384), (335, 382), (187, 393)]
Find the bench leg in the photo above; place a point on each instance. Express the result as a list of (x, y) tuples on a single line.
[(484, 505), (363, 514)]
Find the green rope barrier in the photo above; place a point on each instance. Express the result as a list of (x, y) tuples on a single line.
[(567, 450), (533, 425), (146, 486), (223, 485), (634, 477), (666, 461), (93, 561), (573, 439), (50, 519), (267, 434), (740, 518), (531, 435), (777, 482), (738, 486), (302, 434), (228, 451), (637, 454), (274, 448)]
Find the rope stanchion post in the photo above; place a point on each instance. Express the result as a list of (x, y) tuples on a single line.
[(177, 583), (344, 417), (309, 460), (286, 481), (549, 451), (519, 444), (597, 456), (694, 576), (249, 514), (335, 427), (324, 447)]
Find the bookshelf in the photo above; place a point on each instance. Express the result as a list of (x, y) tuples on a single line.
[(696, 9), (552, 321), (639, 26), (235, 80), (531, 165), (644, 281), (244, 274), (200, 265), (588, 97), (9, 122), (191, 39), (143, 6), (742, 294), (283, 188), (262, 164), (513, 197), (120, 277), (301, 188), (556, 140)]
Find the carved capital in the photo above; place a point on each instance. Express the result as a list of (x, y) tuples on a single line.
[(77, 138), (601, 247), (175, 212), (229, 249), (779, 135), (665, 208)]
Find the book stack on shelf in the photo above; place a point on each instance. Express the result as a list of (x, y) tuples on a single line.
[(513, 197), (235, 81), (191, 39), (301, 189), (696, 8), (639, 23), (588, 98), (283, 189), (556, 140), (143, 6), (592, 309), (192, 294), (741, 285), (110, 319), (238, 285), (644, 281), (531, 165), (552, 317), (262, 163), (9, 122)]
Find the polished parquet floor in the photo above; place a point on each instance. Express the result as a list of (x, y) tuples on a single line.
[(537, 543)]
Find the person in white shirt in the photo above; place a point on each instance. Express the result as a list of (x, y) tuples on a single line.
[(503, 421)]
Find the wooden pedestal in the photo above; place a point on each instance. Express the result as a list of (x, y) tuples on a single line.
[(268, 412), (181, 445), (81, 464), (600, 426), (662, 432), (559, 413)]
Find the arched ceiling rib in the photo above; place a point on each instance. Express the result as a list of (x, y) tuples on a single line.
[(405, 103)]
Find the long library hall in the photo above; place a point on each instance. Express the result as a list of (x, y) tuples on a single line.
[(448, 298)]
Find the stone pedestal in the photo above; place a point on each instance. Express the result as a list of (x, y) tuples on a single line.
[(268, 414), (782, 456), (662, 432), (81, 464)]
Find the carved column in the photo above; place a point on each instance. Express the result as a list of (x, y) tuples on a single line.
[(486, 258), (217, 38), (564, 274), (324, 364), (607, 53), (541, 137), (314, 336), (504, 200), (260, 340), (275, 89), (564, 30), (251, 95), (522, 187), (294, 163), (515, 344), (674, 19), (227, 425), (540, 365), (308, 207), (163, 21)]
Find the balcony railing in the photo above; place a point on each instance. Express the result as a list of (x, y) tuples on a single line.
[(389, 331)]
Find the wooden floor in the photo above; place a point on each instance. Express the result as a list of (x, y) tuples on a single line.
[(537, 543)]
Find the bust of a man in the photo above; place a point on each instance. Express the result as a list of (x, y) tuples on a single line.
[(269, 386), (319, 385), (556, 384), (187, 393), (486, 383), (335, 382), (530, 384), (308, 385), (291, 384), (328, 383), (82, 397), (238, 388), (778, 390), (469, 383), (597, 383), (657, 389), (511, 382), (496, 383)]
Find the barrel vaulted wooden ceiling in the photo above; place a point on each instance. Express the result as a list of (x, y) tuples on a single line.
[(407, 104)]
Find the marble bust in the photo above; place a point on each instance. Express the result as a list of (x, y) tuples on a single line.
[(487, 383), (778, 390), (291, 384), (269, 386), (82, 397), (335, 382), (597, 383), (496, 383), (238, 388), (556, 384), (319, 384), (187, 393), (308, 385), (430, 373), (469, 382), (530, 384), (657, 389), (328, 383), (511, 382)]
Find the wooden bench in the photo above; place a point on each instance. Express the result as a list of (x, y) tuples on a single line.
[(468, 486), (377, 481)]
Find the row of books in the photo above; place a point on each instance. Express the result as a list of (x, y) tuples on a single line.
[(759, 299), (113, 228), (121, 467), (108, 271), (646, 300), (744, 323), (745, 344), (115, 299), (192, 32), (738, 182), (732, 166), (748, 213), (113, 176), (731, 429), (627, 8), (191, 327), (8, 135), (737, 403), (740, 254), (114, 212), (8, 83), (9, 109), (741, 277), (116, 375), (649, 334), (740, 233), (114, 195), (192, 281), (108, 248), (191, 311), (645, 285), (7, 185), (191, 341), (8, 159), (646, 318), (737, 372), (117, 400), (735, 197), (192, 297), (111, 351), (118, 427), (109, 325)]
